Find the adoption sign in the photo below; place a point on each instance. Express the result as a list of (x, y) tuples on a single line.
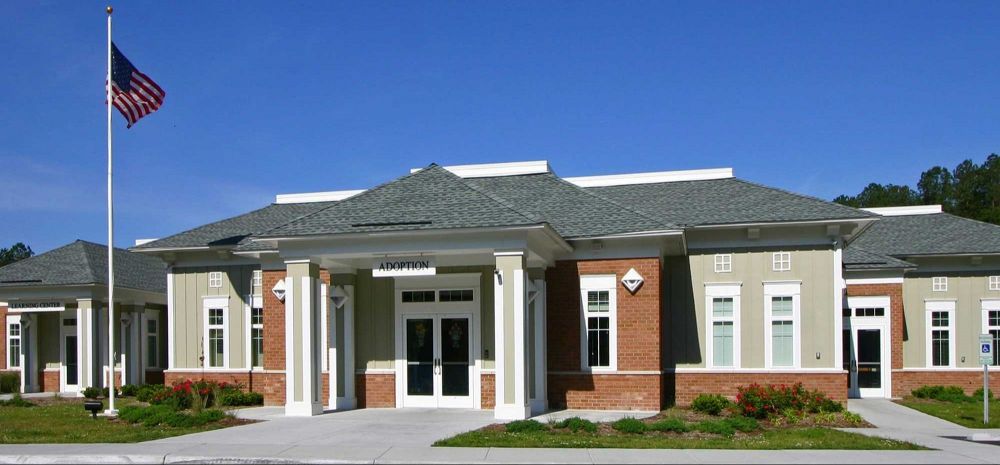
[(36, 306), (404, 266)]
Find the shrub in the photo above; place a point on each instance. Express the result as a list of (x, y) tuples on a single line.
[(744, 424), (629, 425), (163, 415), (716, 427), (10, 383), (673, 425), (128, 390), (712, 404), (146, 392), (92, 393), (853, 418), (235, 398), (942, 393), (575, 424), (16, 401), (758, 401), (525, 426), (978, 395)]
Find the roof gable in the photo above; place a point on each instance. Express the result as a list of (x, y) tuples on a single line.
[(83, 262)]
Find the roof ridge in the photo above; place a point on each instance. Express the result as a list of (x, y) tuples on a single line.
[(616, 203), (90, 264), (803, 196), (531, 216)]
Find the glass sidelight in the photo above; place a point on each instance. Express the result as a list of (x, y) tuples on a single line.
[(72, 372), (420, 361), (869, 359), (455, 357)]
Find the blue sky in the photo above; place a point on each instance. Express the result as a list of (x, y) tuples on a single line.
[(274, 97)]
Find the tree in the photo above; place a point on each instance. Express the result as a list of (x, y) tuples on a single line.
[(16, 252), (878, 195), (937, 186)]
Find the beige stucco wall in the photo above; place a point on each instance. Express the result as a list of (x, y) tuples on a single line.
[(190, 287), (967, 288), (686, 312)]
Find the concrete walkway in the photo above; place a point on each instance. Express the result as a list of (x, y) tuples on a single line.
[(405, 436)]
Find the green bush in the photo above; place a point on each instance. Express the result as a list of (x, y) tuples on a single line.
[(128, 390), (525, 426), (16, 401), (92, 393), (744, 424), (672, 425), (235, 398), (629, 425), (10, 383), (575, 424), (721, 427), (853, 418), (942, 393), (146, 392), (712, 404), (163, 415), (978, 395), (758, 401)]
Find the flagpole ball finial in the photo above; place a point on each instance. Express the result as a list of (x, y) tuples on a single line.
[(110, 9)]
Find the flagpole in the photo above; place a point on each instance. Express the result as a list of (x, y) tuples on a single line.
[(111, 248)]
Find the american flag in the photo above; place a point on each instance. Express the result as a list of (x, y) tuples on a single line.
[(135, 94)]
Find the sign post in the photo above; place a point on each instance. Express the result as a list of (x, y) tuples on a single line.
[(986, 359)]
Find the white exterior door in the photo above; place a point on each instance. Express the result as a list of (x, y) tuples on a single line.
[(438, 357), (69, 373), (867, 356)]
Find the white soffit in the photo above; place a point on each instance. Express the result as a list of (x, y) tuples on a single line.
[(489, 170), (903, 211), (309, 197), (651, 178)]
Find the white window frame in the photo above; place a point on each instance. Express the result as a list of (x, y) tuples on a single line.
[(781, 261), (257, 278), (723, 263), (993, 283), (216, 303), (939, 284), (609, 283), (214, 279), (931, 307), (13, 320), (783, 289), (256, 302), (990, 305), (151, 316), (722, 290)]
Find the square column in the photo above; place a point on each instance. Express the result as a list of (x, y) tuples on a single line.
[(86, 337), (341, 350), (303, 351), (510, 314)]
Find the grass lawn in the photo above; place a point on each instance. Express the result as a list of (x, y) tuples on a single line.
[(54, 420), (968, 414), (678, 428)]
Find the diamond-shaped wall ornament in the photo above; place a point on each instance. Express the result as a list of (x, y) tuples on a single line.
[(632, 280), (339, 296), (279, 290)]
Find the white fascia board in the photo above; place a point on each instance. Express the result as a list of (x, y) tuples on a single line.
[(139, 242), (903, 211), (665, 232), (310, 197), (489, 170), (651, 178)]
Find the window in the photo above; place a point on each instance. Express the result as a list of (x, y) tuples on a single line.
[(991, 326), (939, 283), (152, 342), (722, 302), (940, 334), (257, 337), (599, 338), (781, 261), (418, 296), (460, 295), (257, 278), (869, 312), (13, 343), (215, 279), (216, 346), (781, 324), (994, 283), (723, 263)]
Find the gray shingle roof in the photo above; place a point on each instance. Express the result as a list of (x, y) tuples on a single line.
[(725, 201), (933, 234), (83, 262), (572, 211), (236, 230), (856, 258), (432, 198)]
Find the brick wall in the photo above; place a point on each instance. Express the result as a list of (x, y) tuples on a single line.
[(375, 390), (271, 385), (638, 325), (904, 382), (605, 392), (897, 322), (274, 323), (487, 391), (687, 386), (48, 380)]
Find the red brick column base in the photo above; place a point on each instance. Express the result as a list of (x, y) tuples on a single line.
[(605, 392), (687, 386), (487, 391), (49, 380), (375, 390), (271, 385), (904, 382)]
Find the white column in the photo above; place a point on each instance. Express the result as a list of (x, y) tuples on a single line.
[(303, 354), (511, 298), (541, 401), (342, 347)]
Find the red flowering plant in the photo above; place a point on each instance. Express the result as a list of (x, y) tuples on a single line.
[(758, 401)]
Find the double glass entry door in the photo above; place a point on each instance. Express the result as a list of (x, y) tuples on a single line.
[(438, 361), (865, 362)]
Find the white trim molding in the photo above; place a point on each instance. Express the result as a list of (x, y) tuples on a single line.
[(599, 283), (651, 177), (487, 170), (904, 211), (857, 281), (722, 291), (931, 307), (311, 197)]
